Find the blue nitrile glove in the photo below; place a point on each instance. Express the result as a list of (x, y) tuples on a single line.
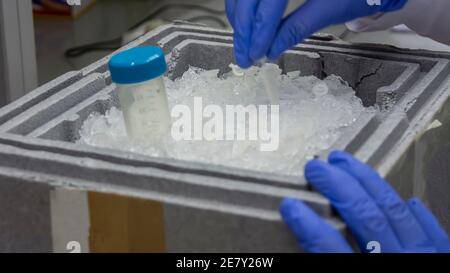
[(372, 210), (260, 30)]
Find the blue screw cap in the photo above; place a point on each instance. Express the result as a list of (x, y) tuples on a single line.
[(137, 65)]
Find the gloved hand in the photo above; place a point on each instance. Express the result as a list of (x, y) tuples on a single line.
[(370, 207), (260, 30)]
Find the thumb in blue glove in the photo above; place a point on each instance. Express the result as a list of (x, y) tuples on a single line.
[(372, 210), (261, 31)]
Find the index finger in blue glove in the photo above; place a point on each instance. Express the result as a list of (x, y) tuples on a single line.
[(298, 26), (405, 225), (364, 218), (267, 20), (244, 14), (312, 232), (431, 225), (230, 6)]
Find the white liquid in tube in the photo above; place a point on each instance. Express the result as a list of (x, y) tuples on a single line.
[(145, 109)]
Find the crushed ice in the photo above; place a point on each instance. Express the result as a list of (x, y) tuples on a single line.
[(313, 114)]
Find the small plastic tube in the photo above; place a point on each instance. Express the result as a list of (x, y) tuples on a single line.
[(270, 82), (268, 77)]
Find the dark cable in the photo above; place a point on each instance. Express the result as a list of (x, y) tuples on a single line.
[(170, 6), (116, 43), (112, 44), (208, 18)]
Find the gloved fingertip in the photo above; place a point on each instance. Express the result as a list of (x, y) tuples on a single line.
[(272, 60), (313, 163), (274, 52), (297, 216), (338, 156), (366, 175), (241, 52), (244, 64), (260, 44), (312, 232), (287, 38), (242, 60), (293, 213), (287, 207), (320, 174), (256, 51), (314, 166), (256, 55)]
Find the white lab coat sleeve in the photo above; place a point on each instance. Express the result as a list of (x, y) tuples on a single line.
[(429, 18)]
